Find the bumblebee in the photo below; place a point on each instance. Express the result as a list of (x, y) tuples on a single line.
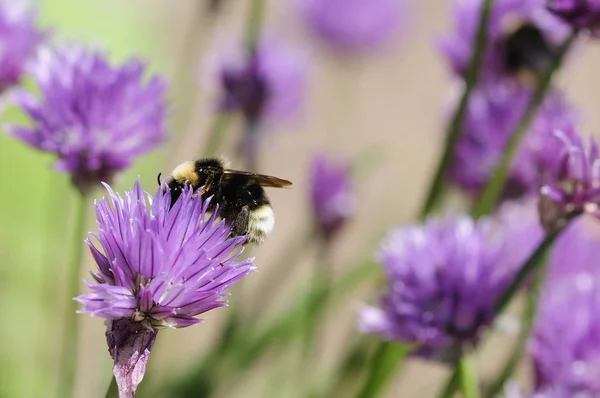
[(240, 195), (527, 51)]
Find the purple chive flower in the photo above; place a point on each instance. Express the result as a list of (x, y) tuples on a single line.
[(444, 278), (511, 390), (576, 186), (267, 84), (157, 267), (332, 195), (580, 14), (521, 35), (565, 343), (354, 25), (493, 113), (582, 237), (19, 38), (95, 117)]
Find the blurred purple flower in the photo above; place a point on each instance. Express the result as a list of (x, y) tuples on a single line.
[(576, 187), (354, 25), (19, 38), (511, 390), (268, 84), (332, 194), (95, 117), (521, 36), (580, 14), (444, 278), (565, 343), (157, 267), (582, 237), (493, 112)]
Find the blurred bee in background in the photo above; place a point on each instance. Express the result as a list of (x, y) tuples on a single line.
[(527, 52), (242, 200)]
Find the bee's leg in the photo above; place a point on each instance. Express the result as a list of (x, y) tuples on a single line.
[(240, 221)]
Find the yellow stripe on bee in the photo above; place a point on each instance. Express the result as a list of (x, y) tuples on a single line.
[(186, 172)]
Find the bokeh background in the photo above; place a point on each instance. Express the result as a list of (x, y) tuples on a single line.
[(387, 107)]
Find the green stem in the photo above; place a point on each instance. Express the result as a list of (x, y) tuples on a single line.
[(249, 347), (492, 191), (70, 336), (511, 364), (533, 263), (467, 369), (384, 364), (113, 389), (437, 187), (451, 384), (350, 367), (254, 23), (322, 281), (216, 134)]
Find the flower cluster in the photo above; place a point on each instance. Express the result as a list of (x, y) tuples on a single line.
[(332, 195), (565, 345), (158, 266), (19, 38), (444, 279), (521, 35), (580, 14), (95, 117), (577, 186), (267, 84), (493, 112)]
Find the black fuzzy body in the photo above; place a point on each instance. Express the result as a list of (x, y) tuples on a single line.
[(526, 49), (237, 195)]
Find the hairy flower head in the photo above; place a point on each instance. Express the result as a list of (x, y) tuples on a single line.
[(158, 266), (95, 117)]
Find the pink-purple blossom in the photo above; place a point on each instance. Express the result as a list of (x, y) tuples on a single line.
[(355, 25), (158, 267), (494, 110), (444, 278), (575, 188), (332, 194), (19, 38), (580, 14), (267, 84), (95, 117)]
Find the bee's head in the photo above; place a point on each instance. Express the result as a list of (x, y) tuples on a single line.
[(209, 171)]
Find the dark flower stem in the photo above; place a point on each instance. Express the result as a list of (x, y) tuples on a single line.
[(250, 145), (492, 191), (451, 385), (218, 131), (386, 360), (467, 369), (495, 387), (533, 263), (438, 185), (216, 134), (70, 337), (113, 389)]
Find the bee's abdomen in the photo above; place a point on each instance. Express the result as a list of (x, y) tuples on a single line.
[(260, 224)]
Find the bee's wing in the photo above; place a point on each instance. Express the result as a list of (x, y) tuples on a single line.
[(261, 179)]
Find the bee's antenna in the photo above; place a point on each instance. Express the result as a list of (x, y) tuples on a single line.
[(158, 178)]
